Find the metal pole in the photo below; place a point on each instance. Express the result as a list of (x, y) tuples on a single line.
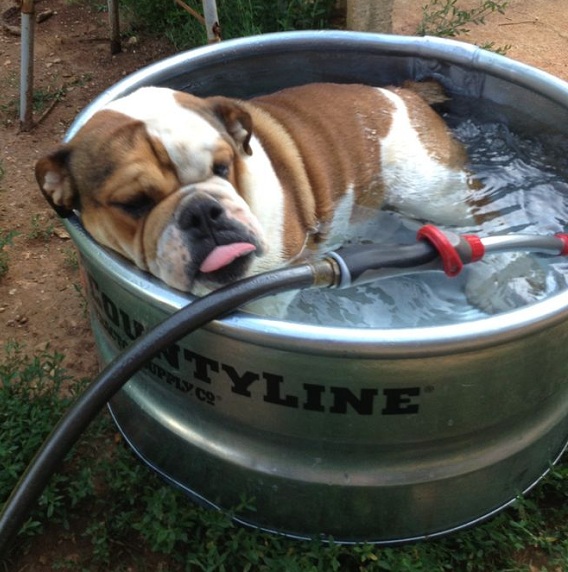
[(211, 21), (27, 65)]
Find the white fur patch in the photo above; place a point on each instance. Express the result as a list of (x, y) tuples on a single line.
[(53, 182), (171, 259), (265, 196), (188, 138), (340, 228), (416, 183)]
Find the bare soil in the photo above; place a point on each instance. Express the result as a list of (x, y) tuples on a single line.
[(41, 299)]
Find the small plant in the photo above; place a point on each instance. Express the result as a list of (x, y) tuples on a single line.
[(40, 229), (84, 303), (444, 18), (502, 50), (71, 258), (5, 240), (8, 98), (43, 98)]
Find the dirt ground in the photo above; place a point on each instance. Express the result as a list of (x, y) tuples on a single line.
[(40, 295)]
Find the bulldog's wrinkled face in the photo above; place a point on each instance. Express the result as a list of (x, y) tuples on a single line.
[(157, 176)]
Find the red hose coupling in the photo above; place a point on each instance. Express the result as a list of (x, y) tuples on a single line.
[(454, 254), (564, 238)]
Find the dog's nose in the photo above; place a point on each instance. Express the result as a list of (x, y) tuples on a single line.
[(201, 215)]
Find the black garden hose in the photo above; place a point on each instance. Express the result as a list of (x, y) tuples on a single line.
[(323, 273)]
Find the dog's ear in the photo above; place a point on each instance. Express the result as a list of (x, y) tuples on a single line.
[(237, 121), (52, 175)]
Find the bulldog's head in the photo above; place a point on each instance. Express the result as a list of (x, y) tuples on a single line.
[(157, 176)]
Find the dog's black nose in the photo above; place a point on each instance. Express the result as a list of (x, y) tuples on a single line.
[(201, 215)]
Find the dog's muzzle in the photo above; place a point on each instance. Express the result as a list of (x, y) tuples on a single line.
[(221, 246)]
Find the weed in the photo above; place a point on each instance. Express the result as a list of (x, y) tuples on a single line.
[(43, 98), (83, 302), (40, 229), (8, 98), (501, 50), (71, 258), (444, 18), (5, 240)]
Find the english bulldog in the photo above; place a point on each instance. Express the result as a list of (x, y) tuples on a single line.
[(203, 191)]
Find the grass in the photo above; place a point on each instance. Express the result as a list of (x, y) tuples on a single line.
[(40, 228), (43, 98), (6, 238), (136, 522), (237, 17)]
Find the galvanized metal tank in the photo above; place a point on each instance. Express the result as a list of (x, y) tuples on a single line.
[(383, 435)]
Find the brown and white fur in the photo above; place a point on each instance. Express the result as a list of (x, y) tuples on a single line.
[(203, 191)]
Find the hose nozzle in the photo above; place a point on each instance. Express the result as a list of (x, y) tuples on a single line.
[(436, 249)]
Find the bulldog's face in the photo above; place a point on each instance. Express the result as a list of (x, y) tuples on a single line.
[(157, 176)]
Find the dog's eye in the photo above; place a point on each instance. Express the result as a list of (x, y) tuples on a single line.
[(136, 207), (221, 170)]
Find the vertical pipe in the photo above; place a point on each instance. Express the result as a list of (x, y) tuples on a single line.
[(113, 17), (211, 21), (27, 65)]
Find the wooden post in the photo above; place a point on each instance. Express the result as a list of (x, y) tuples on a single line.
[(115, 46), (27, 65), (370, 15)]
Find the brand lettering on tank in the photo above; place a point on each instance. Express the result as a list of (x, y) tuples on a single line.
[(209, 380)]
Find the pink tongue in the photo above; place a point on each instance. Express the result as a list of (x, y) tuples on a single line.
[(223, 255)]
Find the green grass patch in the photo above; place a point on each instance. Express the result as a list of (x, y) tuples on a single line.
[(6, 238), (135, 520), (41, 228), (238, 18)]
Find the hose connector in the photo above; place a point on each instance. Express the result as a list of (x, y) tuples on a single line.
[(454, 250)]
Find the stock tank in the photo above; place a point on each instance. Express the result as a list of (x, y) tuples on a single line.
[(366, 434)]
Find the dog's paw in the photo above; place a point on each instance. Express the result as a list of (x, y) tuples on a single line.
[(505, 281)]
